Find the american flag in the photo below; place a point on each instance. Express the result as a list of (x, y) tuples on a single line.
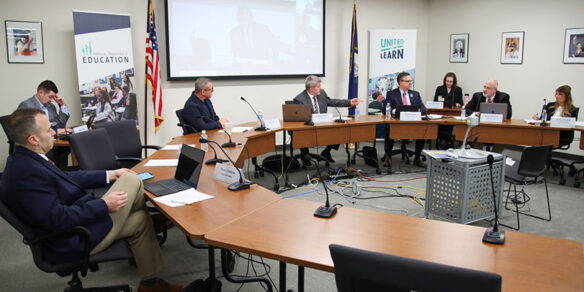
[(152, 65)]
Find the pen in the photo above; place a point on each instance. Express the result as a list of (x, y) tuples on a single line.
[(179, 202)]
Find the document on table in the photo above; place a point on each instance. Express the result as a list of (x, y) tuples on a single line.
[(162, 162), (581, 124), (175, 146), (240, 129), (186, 197)]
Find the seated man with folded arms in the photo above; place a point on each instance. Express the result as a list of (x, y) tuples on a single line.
[(490, 94), (198, 111), (319, 102), (48, 199)]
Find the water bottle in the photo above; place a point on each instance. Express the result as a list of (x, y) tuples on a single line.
[(261, 117), (357, 113), (463, 113), (388, 111), (204, 146)]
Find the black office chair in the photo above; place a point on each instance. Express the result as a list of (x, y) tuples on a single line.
[(126, 141), (566, 138), (529, 170), (119, 250), (361, 270), (3, 121)]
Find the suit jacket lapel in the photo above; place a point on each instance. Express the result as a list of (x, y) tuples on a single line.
[(54, 169)]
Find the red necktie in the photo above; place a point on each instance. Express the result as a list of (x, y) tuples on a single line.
[(51, 162), (405, 100), (316, 110)]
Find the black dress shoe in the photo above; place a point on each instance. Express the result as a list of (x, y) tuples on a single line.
[(306, 160), (327, 156), (386, 161), (418, 162)]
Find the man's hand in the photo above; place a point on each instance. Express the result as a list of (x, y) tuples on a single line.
[(115, 200), (223, 121), (113, 175), (355, 101), (59, 100)]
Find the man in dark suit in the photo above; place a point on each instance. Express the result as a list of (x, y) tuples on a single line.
[(319, 102), (198, 111), (47, 199), (490, 94), (403, 96)]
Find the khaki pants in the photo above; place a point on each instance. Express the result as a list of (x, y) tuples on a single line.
[(133, 222)]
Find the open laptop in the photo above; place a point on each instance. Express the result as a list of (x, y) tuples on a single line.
[(296, 112), (186, 176), (405, 108), (494, 108)]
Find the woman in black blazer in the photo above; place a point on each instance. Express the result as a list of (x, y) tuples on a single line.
[(562, 107), (449, 89)]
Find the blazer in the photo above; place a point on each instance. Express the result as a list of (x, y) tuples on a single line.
[(324, 101), (566, 137), (47, 199), (456, 94), (394, 98), (500, 97), (54, 117), (200, 115)]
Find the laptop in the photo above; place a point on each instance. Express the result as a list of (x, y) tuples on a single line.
[(494, 108), (405, 108), (186, 175), (296, 112)]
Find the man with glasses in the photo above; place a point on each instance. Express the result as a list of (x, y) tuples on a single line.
[(198, 111), (403, 95)]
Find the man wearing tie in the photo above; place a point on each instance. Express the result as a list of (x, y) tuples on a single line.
[(403, 96), (319, 101)]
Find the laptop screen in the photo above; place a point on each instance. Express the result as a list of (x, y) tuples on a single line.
[(189, 165)]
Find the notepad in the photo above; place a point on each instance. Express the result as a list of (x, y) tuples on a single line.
[(162, 162), (186, 197)]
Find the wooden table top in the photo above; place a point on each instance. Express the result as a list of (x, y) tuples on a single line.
[(287, 231)]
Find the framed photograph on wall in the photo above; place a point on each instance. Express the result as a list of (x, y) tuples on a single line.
[(459, 48), (512, 47), (574, 46), (24, 41)]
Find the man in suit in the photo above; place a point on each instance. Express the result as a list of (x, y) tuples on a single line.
[(47, 199), (198, 111), (43, 99), (490, 94), (403, 95), (319, 102)]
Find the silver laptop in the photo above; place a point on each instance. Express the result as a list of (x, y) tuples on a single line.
[(494, 108), (296, 112)]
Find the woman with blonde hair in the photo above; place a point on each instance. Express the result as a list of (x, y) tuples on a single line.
[(562, 107)]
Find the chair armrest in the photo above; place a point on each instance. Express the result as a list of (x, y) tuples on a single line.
[(136, 159), (155, 147)]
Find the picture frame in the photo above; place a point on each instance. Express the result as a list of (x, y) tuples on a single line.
[(574, 46), (459, 48), (512, 47), (24, 41)]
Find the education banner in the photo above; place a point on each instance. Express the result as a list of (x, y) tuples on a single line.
[(390, 51), (105, 66)]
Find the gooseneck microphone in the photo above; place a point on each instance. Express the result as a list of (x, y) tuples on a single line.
[(326, 210), (494, 235), (340, 119), (230, 143), (213, 160), (262, 126), (238, 185)]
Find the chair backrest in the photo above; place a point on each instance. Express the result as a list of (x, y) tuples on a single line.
[(180, 120), (361, 270), (567, 137), (124, 137), (290, 102), (4, 121), (376, 105), (93, 150), (534, 160)]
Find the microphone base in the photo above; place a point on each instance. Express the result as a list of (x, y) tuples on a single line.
[(262, 128), (494, 237), (339, 121), (229, 144), (237, 186), (309, 123), (325, 212), (215, 161)]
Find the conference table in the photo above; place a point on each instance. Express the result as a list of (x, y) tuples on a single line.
[(260, 222)]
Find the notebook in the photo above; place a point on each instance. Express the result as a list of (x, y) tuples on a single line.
[(296, 112), (186, 175), (494, 108)]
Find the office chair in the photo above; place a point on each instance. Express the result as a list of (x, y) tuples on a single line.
[(119, 250), (566, 138), (3, 121), (186, 130), (361, 270), (126, 141), (529, 170)]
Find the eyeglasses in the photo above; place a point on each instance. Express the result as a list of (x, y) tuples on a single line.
[(408, 81), (210, 89)]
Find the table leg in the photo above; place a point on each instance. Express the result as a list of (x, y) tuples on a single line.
[(282, 276), (300, 279)]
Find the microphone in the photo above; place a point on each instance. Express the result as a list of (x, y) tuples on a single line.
[(326, 210), (543, 114), (214, 160), (236, 186), (230, 143), (494, 235), (262, 126), (183, 125), (339, 120)]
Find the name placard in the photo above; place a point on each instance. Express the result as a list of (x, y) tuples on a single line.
[(435, 104), (322, 118), (272, 124), (80, 129), (226, 173), (563, 122), (410, 116), (491, 118)]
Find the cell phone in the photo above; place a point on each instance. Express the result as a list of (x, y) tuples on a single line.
[(145, 175)]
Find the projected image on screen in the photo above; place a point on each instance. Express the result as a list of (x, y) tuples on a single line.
[(224, 38)]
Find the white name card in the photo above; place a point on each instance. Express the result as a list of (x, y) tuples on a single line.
[(272, 124), (226, 173), (435, 104), (410, 116), (563, 122), (491, 118), (322, 118), (80, 129)]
